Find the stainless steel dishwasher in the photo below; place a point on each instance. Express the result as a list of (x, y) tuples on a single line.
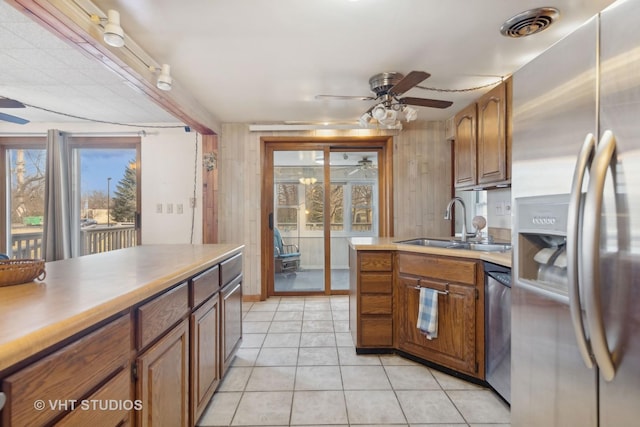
[(498, 328)]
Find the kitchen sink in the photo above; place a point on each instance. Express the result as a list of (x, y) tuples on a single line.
[(489, 247), (457, 244), (449, 244)]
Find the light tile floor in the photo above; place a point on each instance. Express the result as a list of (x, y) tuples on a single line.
[(297, 366)]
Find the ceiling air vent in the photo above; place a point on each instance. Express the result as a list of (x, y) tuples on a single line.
[(529, 22)]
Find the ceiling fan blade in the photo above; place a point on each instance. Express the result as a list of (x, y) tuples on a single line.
[(13, 119), (408, 82), (345, 97), (10, 103), (423, 102)]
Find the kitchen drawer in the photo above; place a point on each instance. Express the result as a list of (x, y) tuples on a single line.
[(159, 314), (204, 285), (376, 261), (230, 269), (67, 374), (376, 283), (376, 331), (441, 268), (109, 406), (376, 304)]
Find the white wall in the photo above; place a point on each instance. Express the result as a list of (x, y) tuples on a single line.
[(168, 161)]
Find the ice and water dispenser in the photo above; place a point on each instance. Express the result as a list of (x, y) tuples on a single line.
[(540, 261)]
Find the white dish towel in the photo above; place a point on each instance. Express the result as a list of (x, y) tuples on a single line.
[(428, 313)]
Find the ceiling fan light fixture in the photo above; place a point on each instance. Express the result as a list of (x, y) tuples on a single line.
[(390, 118), (113, 32), (379, 112), (365, 119), (410, 114), (308, 181), (164, 81)]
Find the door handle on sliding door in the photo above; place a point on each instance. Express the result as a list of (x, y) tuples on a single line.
[(574, 220), (590, 269)]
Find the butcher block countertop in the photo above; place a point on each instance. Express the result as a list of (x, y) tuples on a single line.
[(388, 244), (80, 292)]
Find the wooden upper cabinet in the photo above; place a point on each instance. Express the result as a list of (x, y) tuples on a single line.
[(482, 146), (492, 130), (465, 147)]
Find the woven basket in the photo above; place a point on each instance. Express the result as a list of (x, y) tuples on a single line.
[(16, 271)]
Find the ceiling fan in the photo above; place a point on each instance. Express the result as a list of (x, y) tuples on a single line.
[(364, 165), (388, 87), (11, 103)]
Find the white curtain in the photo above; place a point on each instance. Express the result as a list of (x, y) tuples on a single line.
[(56, 240)]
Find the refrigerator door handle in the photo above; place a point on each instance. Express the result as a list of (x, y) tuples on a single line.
[(574, 219), (590, 269)]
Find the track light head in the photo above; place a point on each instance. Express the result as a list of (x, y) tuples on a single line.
[(164, 80), (113, 32)]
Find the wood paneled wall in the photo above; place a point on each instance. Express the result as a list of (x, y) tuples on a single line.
[(422, 180), (210, 191), (422, 185)]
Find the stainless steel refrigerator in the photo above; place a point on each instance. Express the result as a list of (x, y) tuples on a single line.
[(576, 206)]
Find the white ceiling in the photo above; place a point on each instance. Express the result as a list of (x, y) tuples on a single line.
[(263, 61)]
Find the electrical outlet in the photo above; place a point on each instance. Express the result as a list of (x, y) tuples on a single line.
[(169, 208), (500, 209), (179, 208), (192, 200), (507, 208), (159, 208)]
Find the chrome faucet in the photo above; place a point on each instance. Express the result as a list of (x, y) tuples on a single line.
[(447, 215)]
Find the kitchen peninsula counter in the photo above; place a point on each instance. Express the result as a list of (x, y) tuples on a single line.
[(388, 244), (80, 292)]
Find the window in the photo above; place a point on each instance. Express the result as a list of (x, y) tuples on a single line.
[(105, 193), (314, 202), (362, 207), (26, 201), (337, 207), (287, 206)]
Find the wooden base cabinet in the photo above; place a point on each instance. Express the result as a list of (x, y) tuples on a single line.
[(68, 376), (371, 298), (231, 314), (205, 355), (163, 380), (460, 341)]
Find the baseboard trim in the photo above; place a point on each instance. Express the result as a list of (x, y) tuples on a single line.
[(251, 298)]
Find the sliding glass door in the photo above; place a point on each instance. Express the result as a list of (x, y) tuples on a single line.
[(353, 206), (319, 198)]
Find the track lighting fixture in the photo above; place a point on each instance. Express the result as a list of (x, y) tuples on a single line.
[(113, 32), (164, 80)]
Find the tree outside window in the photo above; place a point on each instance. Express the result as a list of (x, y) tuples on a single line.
[(362, 207), (314, 199), (287, 206), (124, 200)]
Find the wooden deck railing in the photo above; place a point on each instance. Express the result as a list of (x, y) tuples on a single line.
[(92, 241)]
